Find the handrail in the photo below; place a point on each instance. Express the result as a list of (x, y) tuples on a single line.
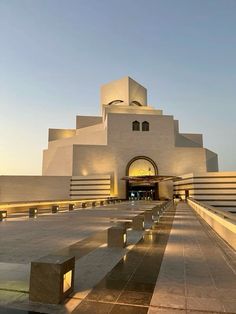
[(224, 214)]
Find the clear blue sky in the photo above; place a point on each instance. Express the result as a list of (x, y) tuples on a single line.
[(55, 54)]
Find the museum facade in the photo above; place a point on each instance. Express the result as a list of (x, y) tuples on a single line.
[(132, 149)]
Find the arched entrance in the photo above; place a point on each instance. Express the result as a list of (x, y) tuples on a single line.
[(138, 167)]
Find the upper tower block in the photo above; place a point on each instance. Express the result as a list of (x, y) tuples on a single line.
[(125, 92)]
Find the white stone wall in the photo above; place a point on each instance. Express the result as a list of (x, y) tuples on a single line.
[(58, 134), (33, 188), (126, 90), (125, 144), (85, 121), (106, 148), (225, 227), (213, 188), (90, 187), (58, 161)]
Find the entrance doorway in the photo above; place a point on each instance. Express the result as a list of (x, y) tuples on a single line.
[(137, 190), (142, 192)]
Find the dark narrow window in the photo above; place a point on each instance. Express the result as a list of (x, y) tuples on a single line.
[(136, 126), (145, 126)]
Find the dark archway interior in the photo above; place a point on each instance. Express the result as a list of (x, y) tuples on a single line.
[(141, 190)]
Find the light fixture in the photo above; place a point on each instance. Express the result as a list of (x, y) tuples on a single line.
[(3, 215), (71, 206), (55, 209), (33, 211), (51, 279), (125, 238), (67, 280)]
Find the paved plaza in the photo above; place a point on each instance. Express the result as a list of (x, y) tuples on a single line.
[(179, 265)]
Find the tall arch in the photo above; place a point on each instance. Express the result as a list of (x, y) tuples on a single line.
[(140, 158), (141, 166)]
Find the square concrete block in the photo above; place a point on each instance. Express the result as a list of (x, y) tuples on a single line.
[(33, 212), (51, 279), (116, 237), (93, 204), (148, 217), (71, 206), (84, 205), (138, 223), (101, 203), (155, 211), (3, 214), (55, 209)]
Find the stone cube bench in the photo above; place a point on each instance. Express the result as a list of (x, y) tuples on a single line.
[(138, 222), (71, 207), (51, 279), (117, 237), (55, 209), (33, 212), (3, 214)]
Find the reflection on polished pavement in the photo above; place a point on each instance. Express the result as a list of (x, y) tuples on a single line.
[(129, 285), (198, 272), (178, 266)]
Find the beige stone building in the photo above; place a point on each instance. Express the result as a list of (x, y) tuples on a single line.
[(132, 149)]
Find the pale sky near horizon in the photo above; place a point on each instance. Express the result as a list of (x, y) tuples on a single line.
[(56, 54)]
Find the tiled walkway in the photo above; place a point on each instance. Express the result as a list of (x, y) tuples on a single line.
[(183, 269), (130, 284), (198, 273)]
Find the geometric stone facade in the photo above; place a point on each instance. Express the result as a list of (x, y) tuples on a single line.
[(127, 130), (217, 189)]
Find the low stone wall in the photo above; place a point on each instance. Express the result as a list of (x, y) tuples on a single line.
[(217, 189), (34, 188), (90, 187), (222, 223)]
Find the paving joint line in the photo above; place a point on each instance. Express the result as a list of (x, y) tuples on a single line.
[(218, 242), (14, 290), (188, 310)]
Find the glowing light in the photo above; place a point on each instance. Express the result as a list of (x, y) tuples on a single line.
[(67, 280), (125, 238), (3, 215), (141, 167), (84, 172)]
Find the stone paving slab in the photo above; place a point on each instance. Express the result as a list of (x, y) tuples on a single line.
[(195, 275), (94, 258), (14, 277), (89, 270), (129, 286), (25, 239)]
